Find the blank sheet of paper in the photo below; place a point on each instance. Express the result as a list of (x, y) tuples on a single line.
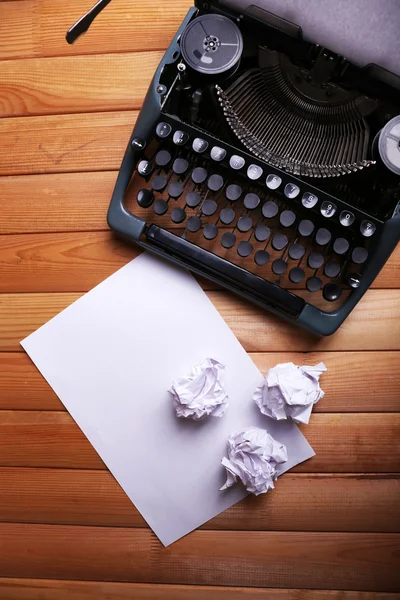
[(111, 357)]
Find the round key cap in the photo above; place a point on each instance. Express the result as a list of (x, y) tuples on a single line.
[(199, 175), (208, 207), (244, 249), (180, 138), (367, 228), (175, 189), (158, 183), (359, 255), (160, 207), (163, 130), (340, 246), (163, 158), (227, 215), (262, 233), (354, 280), (217, 153), (254, 172), (273, 181), (332, 269), (291, 190), (279, 241), (145, 198), (236, 162), (193, 199), (145, 168), (314, 284), (251, 201), (244, 223), (210, 231), (233, 192), (261, 257), (180, 166), (194, 224), (199, 145), (328, 209), (178, 215), (323, 236), (228, 239), (296, 275), (315, 260), (332, 292), (306, 227), (215, 182), (296, 251), (269, 209), (279, 266), (287, 218), (346, 218), (309, 200)]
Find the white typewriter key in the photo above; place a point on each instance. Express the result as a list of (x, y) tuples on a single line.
[(254, 172), (367, 228), (309, 200), (346, 218), (163, 130), (291, 190), (199, 145), (217, 153), (180, 138), (328, 209), (236, 162), (273, 182)]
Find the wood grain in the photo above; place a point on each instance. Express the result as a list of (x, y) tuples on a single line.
[(36, 28), (373, 325), (343, 442), (346, 389), (360, 561), (347, 503)]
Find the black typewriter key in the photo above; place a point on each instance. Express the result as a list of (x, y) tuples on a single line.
[(158, 183), (160, 207), (309, 200), (199, 145), (244, 249), (346, 218), (178, 215), (262, 233), (145, 168), (208, 207), (233, 192), (354, 280), (236, 162), (163, 130), (296, 275), (210, 231), (261, 257), (332, 292), (217, 153), (279, 266), (145, 198), (244, 223), (269, 209), (175, 189), (315, 260), (193, 199), (227, 215), (367, 228), (328, 209), (287, 218), (273, 181), (291, 190), (323, 236), (194, 224), (163, 158), (332, 269), (180, 138), (314, 284), (199, 175), (254, 172), (279, 241), (138, 144), (296, 251), (180, 166), (306, 227), (228, 239), (215, 182), (251, 201), (359, 255), (340, 246)]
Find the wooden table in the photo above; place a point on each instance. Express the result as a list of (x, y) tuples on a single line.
[(66, 527)]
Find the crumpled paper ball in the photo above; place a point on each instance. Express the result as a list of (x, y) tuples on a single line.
[(253, 456), (290, 391), (201, 392)]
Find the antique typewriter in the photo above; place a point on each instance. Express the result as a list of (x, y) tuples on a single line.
[(263, 159)]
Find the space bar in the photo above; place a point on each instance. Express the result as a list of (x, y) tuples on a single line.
[(211, 264)]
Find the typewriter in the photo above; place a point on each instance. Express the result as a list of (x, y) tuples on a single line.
[(266, 156)]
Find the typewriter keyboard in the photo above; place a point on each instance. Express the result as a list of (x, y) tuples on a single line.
[(253, 215)]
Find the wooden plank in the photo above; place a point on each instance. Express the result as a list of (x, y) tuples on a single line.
[(358, 561), (299, 502), (373, 325), (50, 589), (64, 143), (346, 390), (75, 83), (36, 28), (344, 443)]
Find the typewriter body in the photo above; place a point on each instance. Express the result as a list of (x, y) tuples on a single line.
[(267, 162)]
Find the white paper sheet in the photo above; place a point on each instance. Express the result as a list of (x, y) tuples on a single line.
[(111, 357)]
